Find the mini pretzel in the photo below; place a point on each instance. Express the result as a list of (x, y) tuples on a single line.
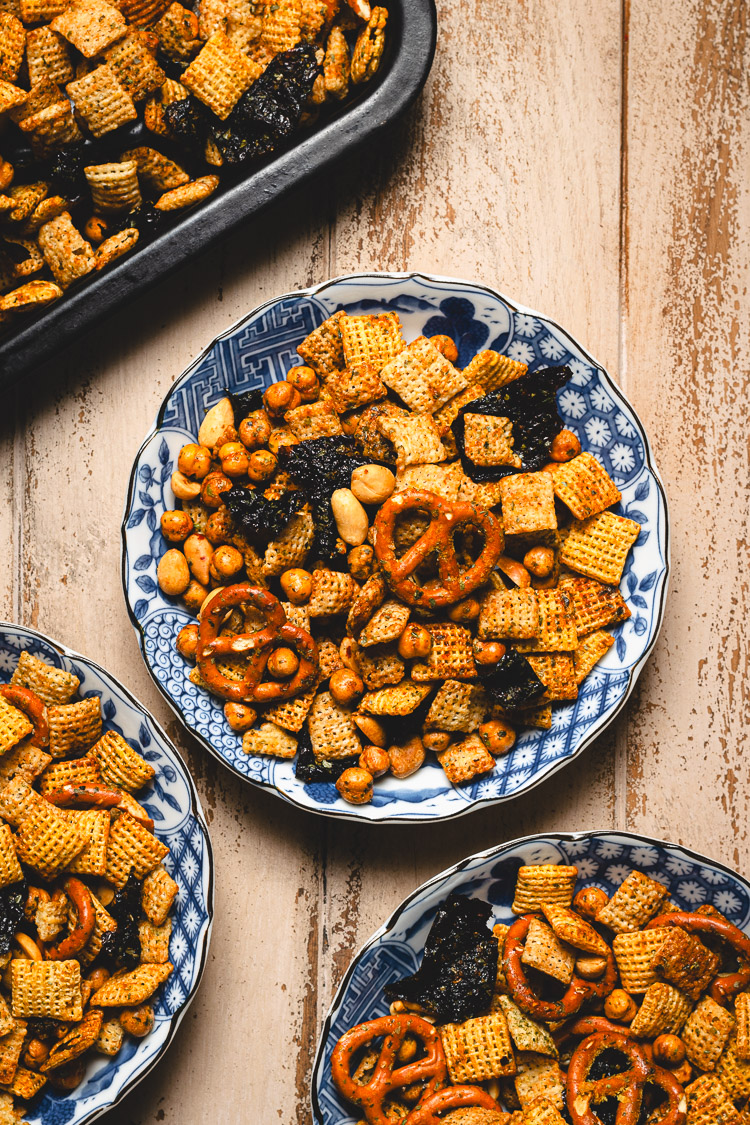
[(454, 1097), (723, 987), (257, 646), (33, 708), (387, 1076), (578, 992), (627, 1086), (445, 521)]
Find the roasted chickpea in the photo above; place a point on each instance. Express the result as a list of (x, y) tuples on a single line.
[(669, 1050), (281, 397), (283, 663), (96, 229), (105, 893), (591, 968), (194, 461), (497, 736), (488, 652), (194, 596), (305, 381), (373, 731), (619, 1006), (219, 527), (226, 562), (234, 459), (436, 740), (361, 562), (255, 430), (565, 446), (297, 585), (407, 758), (467, 610), (137, 1021), (589, 901), (517, 573), (346, 687), (69, 1076), (173, 573), (355, 786), (176, 525), (375, 760), (187, 642), (212, 487), (35, 1054), (261, 465), (239, 716), (540, 561), (280, 438), (446, 347), (415, 642)]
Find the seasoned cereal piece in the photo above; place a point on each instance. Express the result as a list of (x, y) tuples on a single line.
[(742, 1015), (450, 657), (14, 726), (48, 841), (12, 46), (709, 1103), (115, 246), (78, 771), (543, 883), (26, 1084), (538, 718), (313, 420), (102, 102), (332, 592), (120, 765), (52, 685), (634, 903), (541, 1111), (544, 952), (557, 673), (282, 26), (589, 652), (634, 952), (187, 194), (142, 12), (664, 1010), (134, 65), (493, 370), (478, 1049), (269, 739), (49, 989), (367, 601), (386, 624), (32, 295), (599, 546), (447, 414), (399, 700), (10, 868), (488, 440), (528, 503), (539, 1077), (90, 25), (78, 1040), (178, 33), (422, 377), (323, 349), (158, 894), (110, 1038), (94, 825), (131, 847), (527, 1034), (291, 714), (131, 989), (443, 480), (36, 11), (17, 799), (336, 65), (734, 1071), (379, 667), (370, 341), (47, 56), (114, 187), (155, 942), (509, 614), (352, 389), (485, 495), (557, 631), (705, 1033), (11, 1045), (686, 962), (291, 546), (51, 916), (457, 707), (220, 74), (585, 486), (463, 761), (333, 732), (10, 96), (368, 50), (24, 761), (74, 726), (594, 605), (569, 927), (158, 169), (65, 251)]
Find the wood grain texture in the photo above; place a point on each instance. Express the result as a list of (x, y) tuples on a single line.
[(589, 158)]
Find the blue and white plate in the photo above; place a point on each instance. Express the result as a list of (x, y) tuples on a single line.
[(173, 805), (603, 859), (259, 350)]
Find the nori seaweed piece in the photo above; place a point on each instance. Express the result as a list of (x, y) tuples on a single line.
[(122, 947), (12, 903), (40, 1027), (260, 520), (512, 682), (66, 173), (456, 979), (189, 121), (531, 405), (245, 402), (307, 768)]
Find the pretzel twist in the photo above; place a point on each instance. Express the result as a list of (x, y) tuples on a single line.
[(454, 1097), (33, 708), (445, 520), (627, 1086), (723, 988), (257, 647)]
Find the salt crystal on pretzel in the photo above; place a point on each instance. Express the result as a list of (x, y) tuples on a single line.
[(664, 1010), (52, 685), (90, 25), (543, 883), (705, 1033), (465, 760), (386, 624), (46, 989), (634, 952), (399, 700), (478, 1049), (556, 632), (585, 486), (526, 1033), (634, 903), (493, 370), (457, 706), (270, 740), (528, 503), (510, 613), (370, 340)]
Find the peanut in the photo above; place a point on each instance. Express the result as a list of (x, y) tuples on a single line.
[(372, 484), (173, 573), (183, 488), (217, 421), (373, 731), (406, 759), (351, 518), (198, 552)]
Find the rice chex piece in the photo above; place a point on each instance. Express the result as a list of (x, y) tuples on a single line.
[(541, 1111), (270, 740), (686, 962), (10, 868), (734, 1071), (370, 341), (332, 592), (493, 370), (36, 11), (14, 726), (664, 1010), (527, 1034), (25, 761), (705, 1033), (487, 495), (94, 825), (110, 1038), (131, 847), (220, 74), (136, 69), (52, 685), (557, 631), (568, 926), (114, 187), (26, 1083), (323, 349), (11, 96), (634, 953), (539, 1077), (313, 420), (12, 46), (379, 667), (386, 624), (158, 894), (399, 700), (422, 377), (119, 764), (543, 883), (463, 761), (415, 437), (742, 1015), (11, 1045), (333, 732), (457, 707), (594, 605), (451, 655), (282, 26), (585, 486), (599, 546), (51, 916), (709, 1103), (352, 389), (47, 56), (154, 941), (90, 25), (528, 503), (290, 714), (50, 989), (589, 652), (447, 414), (634, 903), (77, 771), (478, 1049), (544, 952), (443, 480), (131, 989), (17, 799), (213, 16), (488, 440), (557, 673), (47, 841), (74, 726)]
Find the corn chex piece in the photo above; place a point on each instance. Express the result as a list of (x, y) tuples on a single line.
[(634, 952), (557, 631), (154, 942), (119, 764), (352, 389), (52, 685), (7, 1023), (733, 1071), (478, 1049), (742, 1015), (705, 1033), (510, 613), (557, 673), (313, 420), (115, 246), (26, 1084), (24, 761), (78, 771), (158, 894), (136, 69), (178, 33), (634, 903), (543, 884), (585, 486), (386, 624), (47, 56), (447, 414), (686, 962), (332, 592), (379, 667), (457, 706), (416, 439), (17, 799), (488, 440), (323, 349), (370, 340), (101, 100), (291, 546), (538, 1077), (528, 503), (131, 847), (94, 825), (65, 251), (487, 495), (594, 605), (12, 46), (74, 726), (131, 989), (576, 931), (290, 714), (46, 988), (527, 1034), (47, 841), (465, 760), (90, 25), (14, 726), (11, 1045), (422, 377), (589, 652), (443, 480), (450, 656), (664, 1009), (10, 868), (541, 1111), (220, 74), (114, 187), (399, 700), (493, 370), (51, 917), (269, 739), (282, 28), (110, 1038), (333, 732), (544, 952), (599, 546), (709, 1103)]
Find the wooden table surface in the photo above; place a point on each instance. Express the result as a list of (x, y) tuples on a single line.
[(589, 158)]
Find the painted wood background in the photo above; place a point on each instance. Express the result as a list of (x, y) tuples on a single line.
[(590, 158)]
